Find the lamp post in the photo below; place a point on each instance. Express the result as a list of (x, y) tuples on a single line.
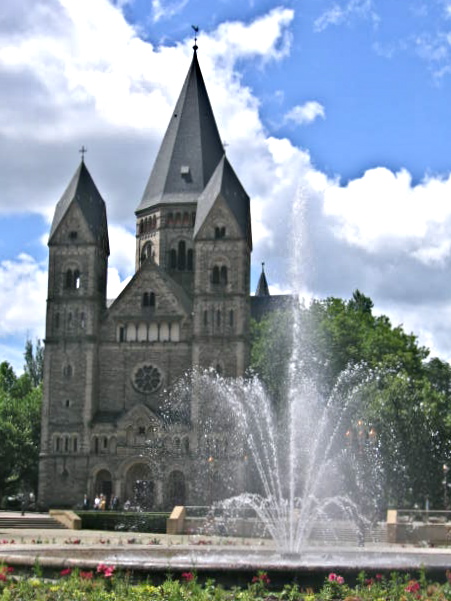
[(445, 484)]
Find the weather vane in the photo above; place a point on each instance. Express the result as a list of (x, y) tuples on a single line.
[(196, 31), (83, 151)]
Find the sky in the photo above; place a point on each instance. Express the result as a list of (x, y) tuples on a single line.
[(336, 118)]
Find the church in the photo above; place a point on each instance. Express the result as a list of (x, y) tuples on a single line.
[(112, 369)]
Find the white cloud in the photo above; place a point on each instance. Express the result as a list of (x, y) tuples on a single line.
[(383, 208), (23, 283), (305, 113), (166, 10), (342, 13)]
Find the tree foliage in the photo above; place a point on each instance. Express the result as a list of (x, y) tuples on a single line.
[(20, 416), (405, 404)]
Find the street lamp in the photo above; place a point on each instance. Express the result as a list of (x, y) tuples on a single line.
[(445, 484)]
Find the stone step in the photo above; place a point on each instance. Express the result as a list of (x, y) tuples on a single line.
[(40, 522)]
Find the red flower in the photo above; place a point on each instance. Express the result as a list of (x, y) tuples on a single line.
[(66, 572), (187, 576), (10, 569), (86, 575), (412, 587), (3, 577)]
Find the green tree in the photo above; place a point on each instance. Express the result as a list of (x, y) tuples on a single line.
[(34, 361), (404, 404)]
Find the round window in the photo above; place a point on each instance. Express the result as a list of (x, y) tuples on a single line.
[(147, 378)]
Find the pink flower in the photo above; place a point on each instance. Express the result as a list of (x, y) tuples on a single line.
[(379, 577), (187, 576), (332, 577), (66, 572), (340, 580), (107, 571)]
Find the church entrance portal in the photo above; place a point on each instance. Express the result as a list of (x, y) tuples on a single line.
[(140, 488), (104, 485), (176, 489)]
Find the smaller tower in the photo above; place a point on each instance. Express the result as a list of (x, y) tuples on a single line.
[(79, 250), (262, 286)]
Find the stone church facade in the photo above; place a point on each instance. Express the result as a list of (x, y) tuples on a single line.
[(110, 369)]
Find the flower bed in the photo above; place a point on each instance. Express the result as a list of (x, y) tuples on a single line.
[(105, 584)]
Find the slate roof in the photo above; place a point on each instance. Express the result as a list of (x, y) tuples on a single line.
[(225, 182), (191, 148), (83, 191)]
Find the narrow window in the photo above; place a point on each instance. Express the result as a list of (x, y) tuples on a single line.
[(57, 444), (218, 318), (66, 444), (75, 445), (205, 318), (223, 275), (173, 259), (96, 445), (152, 299), (76, 284), (189, 260), (73, 235), (121, 334), (182, 256), (105, 442), (215, 277), (67, 403), (218, 368), (231, 318), (82, 321), (145, 299), (69, 280)]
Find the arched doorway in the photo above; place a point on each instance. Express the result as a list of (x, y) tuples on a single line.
[(140, 487), (175, 489), (103, 485)]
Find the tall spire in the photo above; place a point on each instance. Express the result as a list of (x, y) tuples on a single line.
[(191, 148), (262, 286)]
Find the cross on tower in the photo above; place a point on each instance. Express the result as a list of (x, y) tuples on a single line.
[(83, 151)]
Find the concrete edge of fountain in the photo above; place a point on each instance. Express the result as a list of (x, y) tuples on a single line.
[(216, 559)]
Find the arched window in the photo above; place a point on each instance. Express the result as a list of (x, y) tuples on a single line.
[(220, 232), (173, 259), (146, 251), (223, 275), (57, 444), (215, 275), (146, 299), (181, 264), (152, 299), (169, 218), (231, 318), (75, 444), (69, 279), (76, 279), (189, 259), (218, 318)]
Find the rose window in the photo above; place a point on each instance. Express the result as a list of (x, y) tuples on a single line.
[(147, 378)]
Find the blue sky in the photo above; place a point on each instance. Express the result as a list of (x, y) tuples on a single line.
[(336, 117)]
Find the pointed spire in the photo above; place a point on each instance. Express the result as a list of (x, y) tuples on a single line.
[(191, 148), (262, 286), (225, 183), (83, 191)]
